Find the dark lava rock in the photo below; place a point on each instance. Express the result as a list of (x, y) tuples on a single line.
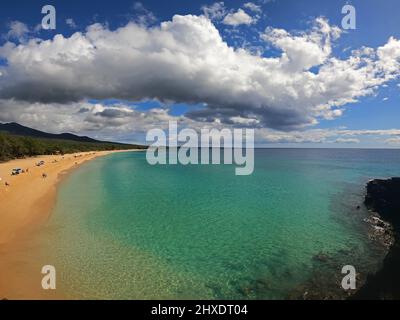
[(383, 197)]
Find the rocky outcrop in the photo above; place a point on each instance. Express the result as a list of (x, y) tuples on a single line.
[(383, 198)]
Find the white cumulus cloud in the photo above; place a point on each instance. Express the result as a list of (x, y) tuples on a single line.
[(238, 18), (186, 60)]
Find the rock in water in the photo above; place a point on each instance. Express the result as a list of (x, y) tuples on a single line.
[(383, 197)]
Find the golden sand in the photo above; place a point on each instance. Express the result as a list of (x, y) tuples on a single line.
[(25, 205)]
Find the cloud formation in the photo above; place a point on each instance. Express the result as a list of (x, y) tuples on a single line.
[(143, 16), (393, 141), (215, 11), (238, 18), (17, 31), (98, 120), (342, 136), (125, 123), (186, 60), (71, 23), (253, 7)]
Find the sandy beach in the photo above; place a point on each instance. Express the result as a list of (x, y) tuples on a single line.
[(25, 205)]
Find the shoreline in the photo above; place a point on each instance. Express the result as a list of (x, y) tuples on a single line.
[(382, 199), (325, 285), (28, 202), (25, 205)]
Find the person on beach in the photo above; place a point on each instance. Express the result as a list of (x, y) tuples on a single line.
[(44, 175), (6, 184)]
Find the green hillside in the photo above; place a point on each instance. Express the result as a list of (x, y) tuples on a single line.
[(15, 146)]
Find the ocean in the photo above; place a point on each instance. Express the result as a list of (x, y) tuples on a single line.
[(123, 229)]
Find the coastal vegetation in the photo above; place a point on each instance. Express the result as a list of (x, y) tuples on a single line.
[(15, 146)]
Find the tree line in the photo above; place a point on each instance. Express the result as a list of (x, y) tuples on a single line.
[(12, 146)]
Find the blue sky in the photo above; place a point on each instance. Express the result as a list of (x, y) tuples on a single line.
[(377, 21)]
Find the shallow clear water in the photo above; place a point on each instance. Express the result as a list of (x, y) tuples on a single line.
[(125, 229)]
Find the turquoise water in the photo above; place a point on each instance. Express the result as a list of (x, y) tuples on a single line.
[(123, 229)]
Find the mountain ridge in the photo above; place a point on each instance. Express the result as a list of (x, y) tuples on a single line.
[(17, 129)]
